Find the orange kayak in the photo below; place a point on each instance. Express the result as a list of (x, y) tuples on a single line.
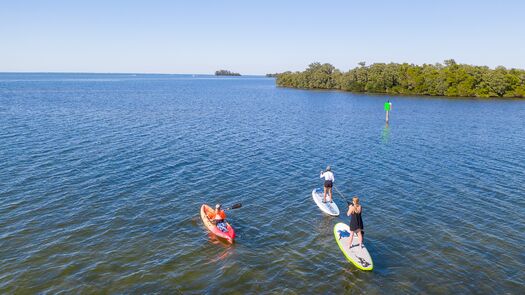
[(228, 234)]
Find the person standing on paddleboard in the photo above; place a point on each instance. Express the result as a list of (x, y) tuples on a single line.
[(356, 222), (329, 179)]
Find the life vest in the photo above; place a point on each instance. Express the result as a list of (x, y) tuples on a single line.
[(220, 215)]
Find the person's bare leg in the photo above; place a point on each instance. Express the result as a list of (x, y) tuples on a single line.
[(331, 199), (351, 239), (324, 198), (360, 235)]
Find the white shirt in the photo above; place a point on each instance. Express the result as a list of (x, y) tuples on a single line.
[(328, 175)]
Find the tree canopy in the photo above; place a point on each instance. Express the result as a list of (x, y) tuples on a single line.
[(226, 73), (447, 79)]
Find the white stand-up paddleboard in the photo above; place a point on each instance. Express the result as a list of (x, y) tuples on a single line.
[(328, 208), (357, 255)]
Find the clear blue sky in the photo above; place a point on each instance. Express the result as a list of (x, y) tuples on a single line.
[(255, 37)]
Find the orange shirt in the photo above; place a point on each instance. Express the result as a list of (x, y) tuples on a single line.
[(220, 215)]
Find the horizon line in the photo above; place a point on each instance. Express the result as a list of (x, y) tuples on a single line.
[(121, 73)]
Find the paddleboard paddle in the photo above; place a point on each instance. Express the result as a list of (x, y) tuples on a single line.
[(342, 196)]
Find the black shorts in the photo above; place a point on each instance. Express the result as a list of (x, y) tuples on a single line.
[(328, 183)]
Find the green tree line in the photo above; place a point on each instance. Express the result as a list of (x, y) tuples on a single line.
[(226, 73), (448, 79)]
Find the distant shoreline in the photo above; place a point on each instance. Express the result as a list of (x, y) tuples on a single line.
[(128, 74), (226, 73), (448, 80)]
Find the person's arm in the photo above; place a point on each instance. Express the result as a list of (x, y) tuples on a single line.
[(322, 175), (349, 210)]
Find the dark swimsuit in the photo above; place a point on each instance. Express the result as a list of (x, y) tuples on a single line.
[(356, 222)]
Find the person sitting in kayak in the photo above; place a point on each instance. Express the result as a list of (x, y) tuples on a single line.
[(356, 222), (218, 215), (219, 218), (329, 179)]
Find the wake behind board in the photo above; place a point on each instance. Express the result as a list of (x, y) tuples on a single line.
[(357, 255), (328, 208)]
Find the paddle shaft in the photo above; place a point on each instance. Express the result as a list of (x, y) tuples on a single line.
[(342, 196), (234, 206)]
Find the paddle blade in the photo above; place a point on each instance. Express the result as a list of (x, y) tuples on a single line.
[(235, 206)]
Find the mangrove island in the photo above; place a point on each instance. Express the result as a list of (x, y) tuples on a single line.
[(448, 79), (226, 73)]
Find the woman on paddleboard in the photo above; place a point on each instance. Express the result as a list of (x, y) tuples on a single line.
[(329, 179), (356, 222)]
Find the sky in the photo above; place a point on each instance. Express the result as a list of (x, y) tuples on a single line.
[(254, 37)]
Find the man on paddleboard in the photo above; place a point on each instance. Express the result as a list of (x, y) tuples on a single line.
[(329, 179)]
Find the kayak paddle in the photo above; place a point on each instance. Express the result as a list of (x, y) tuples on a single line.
[(234, 206)]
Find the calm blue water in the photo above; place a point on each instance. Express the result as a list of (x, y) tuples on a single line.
[(102, 177)]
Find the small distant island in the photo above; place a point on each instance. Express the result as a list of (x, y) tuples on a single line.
[(226, 73), (448, 79), (272, 75)]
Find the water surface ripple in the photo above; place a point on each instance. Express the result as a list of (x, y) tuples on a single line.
[(102, 178)]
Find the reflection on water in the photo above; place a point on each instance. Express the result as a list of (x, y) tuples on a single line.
[(385, 134), (218, 240), (223, 255)]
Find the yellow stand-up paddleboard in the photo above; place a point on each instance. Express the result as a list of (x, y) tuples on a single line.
[(357, 255)]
